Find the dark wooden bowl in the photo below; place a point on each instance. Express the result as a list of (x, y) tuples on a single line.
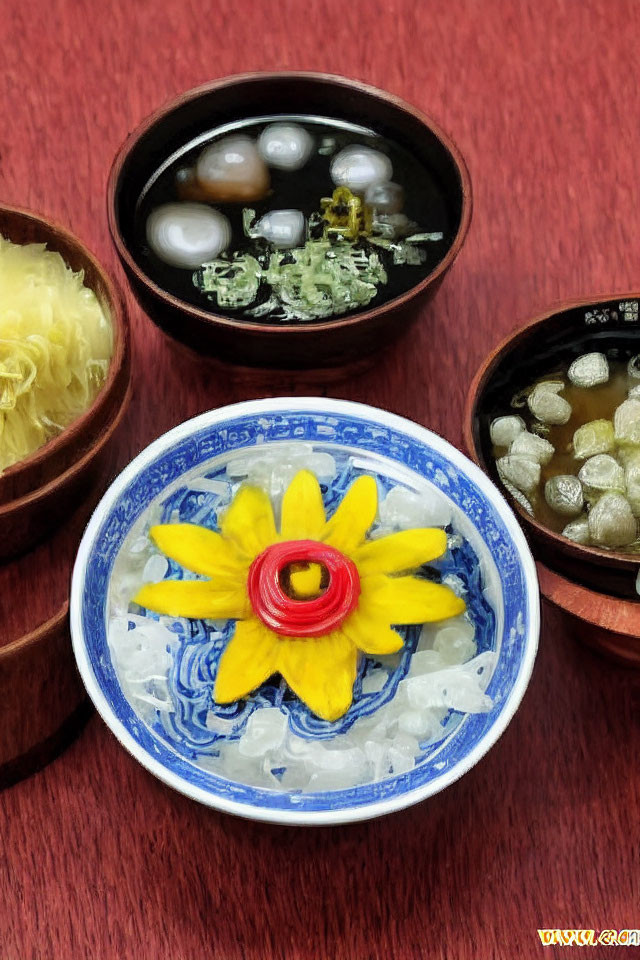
[(44, 704), (329, 343), (609, 625), (38, 493), (42, 700), (27, 520), (531, 351)]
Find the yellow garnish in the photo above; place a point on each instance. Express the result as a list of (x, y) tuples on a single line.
[(55, 348), (346, 214), (320, 669)]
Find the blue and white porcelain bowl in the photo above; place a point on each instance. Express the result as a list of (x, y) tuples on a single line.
[(151, 678)]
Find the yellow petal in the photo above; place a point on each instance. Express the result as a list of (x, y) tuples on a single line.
[(400, 551), (320, 671), (405, 600), (194, 598), (248, 521), (306, 583), (246, 662), (371, 635), (198, 549), (302, 508), (347, 527)]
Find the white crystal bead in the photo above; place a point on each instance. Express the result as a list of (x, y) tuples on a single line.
[(523, 474), (626, 422), (592, 438), (532, 447), (633, 367), (265, 730), (504, 430), (282, 228), (577, 530), (601, 472), (545, 404), (632, 482), (564, 495), (286, 146), (611, 522), (589, 370), (359, 167), (187, 234)]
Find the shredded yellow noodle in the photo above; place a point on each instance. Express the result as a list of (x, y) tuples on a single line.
[(55, 348)]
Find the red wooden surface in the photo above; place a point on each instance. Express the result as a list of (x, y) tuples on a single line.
[(98, 859)]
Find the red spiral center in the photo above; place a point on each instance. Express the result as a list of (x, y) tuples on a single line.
[(314, 617)]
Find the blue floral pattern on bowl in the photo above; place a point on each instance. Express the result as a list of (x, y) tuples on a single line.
[(345, 425)]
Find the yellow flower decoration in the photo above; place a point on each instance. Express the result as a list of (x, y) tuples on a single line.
[(309, 600)]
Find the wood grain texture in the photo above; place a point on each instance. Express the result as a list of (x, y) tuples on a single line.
[(608, 624), (39, 666), (100, 860)]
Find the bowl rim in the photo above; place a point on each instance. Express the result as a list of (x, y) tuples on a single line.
[(35, 635), (119, 357), (614, 558), (87, 455), (272, 814), (295, 328), (611, 615)]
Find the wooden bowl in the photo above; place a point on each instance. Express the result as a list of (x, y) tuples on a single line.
[(42, 701), (609, 625), (531, 351), (330, 343), (39, 665), (39, 491)]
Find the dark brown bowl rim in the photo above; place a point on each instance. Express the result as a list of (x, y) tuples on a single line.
[(610, 614), (497, 355), (78, 465), (118, 358), (37, 635), (298, 328)]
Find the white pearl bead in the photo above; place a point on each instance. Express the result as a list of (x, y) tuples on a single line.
[(283, 228), (232, 171), (187, 234), (385, 197), (359, 167), (286, 146)]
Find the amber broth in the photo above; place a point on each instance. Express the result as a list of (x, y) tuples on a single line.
[(587, 404)]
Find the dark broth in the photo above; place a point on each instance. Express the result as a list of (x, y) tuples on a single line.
[(301, 190)]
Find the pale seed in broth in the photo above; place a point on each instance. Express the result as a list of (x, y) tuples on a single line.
[(593, 461)]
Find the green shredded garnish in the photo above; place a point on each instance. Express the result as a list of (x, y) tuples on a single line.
[(424, 237), (330, 275), (248, 219), (318, 280), (235, 283), (406, 253), (402, 250)]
